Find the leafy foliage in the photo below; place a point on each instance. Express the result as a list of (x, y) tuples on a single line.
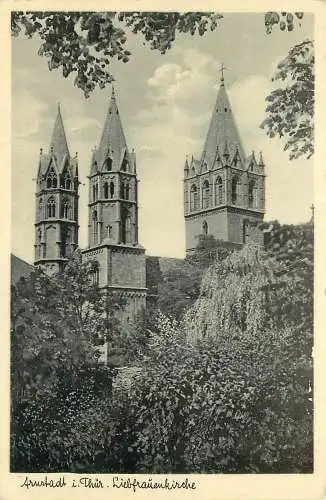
[(55, 325), (84, 43), (237, 405), (290, 109), (179, 286), (285, 20), (226, 390)]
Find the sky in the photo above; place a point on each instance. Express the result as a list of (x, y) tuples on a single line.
[(165, 104)]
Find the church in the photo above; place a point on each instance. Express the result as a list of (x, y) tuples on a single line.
[(224, 196)]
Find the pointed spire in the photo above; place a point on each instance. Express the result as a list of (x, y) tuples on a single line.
[(113, 141), (222, 128), (58, 144)]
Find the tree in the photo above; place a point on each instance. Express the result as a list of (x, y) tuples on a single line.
[(290, 109), (83, 44), (231, 391), (56, 382)]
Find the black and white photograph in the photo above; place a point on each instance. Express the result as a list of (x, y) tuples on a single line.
[(162, 244)]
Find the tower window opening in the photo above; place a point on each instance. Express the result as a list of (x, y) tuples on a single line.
[(126, 227), (40, 207), (65, 210), (205, 194), (95, 273), (51, 208), (193, 198), (39, 240), (122, 190), (65, 180), (65, 236), (111, 189), (127, 188), (124, 165), (95, 192), (219, 195), (252, 194), (95, 227), (51, 181), (234, 190), (108, 164), (106, 190), (205, 228)]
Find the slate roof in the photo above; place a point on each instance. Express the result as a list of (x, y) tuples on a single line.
[(223, 132), (59, 144), (19, 269), (58, 153), (113, 143)]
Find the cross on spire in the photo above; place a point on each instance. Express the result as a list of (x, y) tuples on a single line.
[(222, 69)]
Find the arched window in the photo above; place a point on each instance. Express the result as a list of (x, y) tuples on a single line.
[(234, 190), (193, 171), (39, 240), (205, 228), (51, 181), (252, 194), (219, 197), (95, 192), (95, 227), (51, 208), (111, 189), (40, 208), (65, 179), (128, 229), (95, 272), (205, 194), (127, 188), (124, 165), (106, 190), (125, 227), (193, 198), (122, 190), (65, 211)]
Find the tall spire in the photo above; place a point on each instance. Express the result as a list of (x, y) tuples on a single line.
[(222, 128), (58, 144), (113, 140)]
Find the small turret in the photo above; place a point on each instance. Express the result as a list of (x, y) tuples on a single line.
[(226, 153)]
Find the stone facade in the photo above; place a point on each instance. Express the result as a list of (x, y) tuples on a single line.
[(224, 196), (113, 217), (224, 191), (56, 218)]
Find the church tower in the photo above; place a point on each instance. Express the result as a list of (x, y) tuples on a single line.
[(224, 191), (56, 224), (113, 216)]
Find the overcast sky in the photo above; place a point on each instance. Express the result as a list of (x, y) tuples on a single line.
[(165, 104)]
